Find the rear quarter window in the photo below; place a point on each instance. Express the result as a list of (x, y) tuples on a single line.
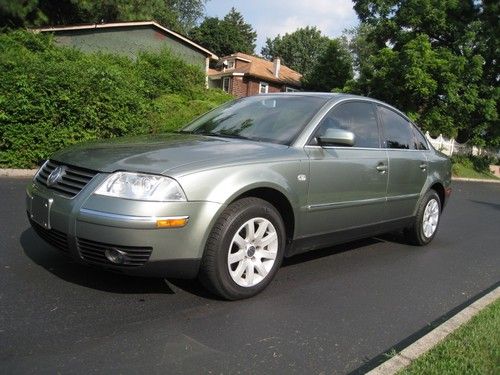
[(420, 141)]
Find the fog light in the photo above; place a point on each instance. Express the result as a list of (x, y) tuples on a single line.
[(115, 256)]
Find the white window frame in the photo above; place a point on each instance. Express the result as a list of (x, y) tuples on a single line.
[(228, 80), (231, 64), (290, 89), (265, 86)]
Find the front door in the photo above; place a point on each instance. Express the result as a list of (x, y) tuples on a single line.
[(347, 185)]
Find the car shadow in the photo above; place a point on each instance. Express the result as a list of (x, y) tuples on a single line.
[(328, 251), (68, 270), (194, 286), (96, 278)]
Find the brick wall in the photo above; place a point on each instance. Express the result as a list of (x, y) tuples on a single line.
[(245, 86), (239, 88), (253, 87)]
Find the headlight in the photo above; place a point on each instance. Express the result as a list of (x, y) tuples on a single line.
[(144, 187)]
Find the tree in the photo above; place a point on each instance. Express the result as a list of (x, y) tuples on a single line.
[(360, 46), (298, 50), (436, 61), (244, 35), (178, 15), (224, 37), (189, 13), (332, 70)]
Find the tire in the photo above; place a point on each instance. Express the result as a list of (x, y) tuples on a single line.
[(426, 223), (235, 266)]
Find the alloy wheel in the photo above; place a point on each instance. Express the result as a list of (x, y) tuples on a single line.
[(252, 252), (431, 218)]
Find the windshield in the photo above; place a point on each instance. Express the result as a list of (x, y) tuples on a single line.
[(270, 118)]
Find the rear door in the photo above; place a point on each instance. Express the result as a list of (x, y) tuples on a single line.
[(407, 169), (347, 185)]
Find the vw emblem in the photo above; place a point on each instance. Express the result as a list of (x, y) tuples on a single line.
[(56, 175)]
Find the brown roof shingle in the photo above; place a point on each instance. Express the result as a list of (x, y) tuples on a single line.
[(263, 69)]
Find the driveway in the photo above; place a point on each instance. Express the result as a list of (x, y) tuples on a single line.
[(332, 311)]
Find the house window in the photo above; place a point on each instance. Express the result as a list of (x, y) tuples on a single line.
[(230, 64), (263, 88), (226, 81), (290, 89)]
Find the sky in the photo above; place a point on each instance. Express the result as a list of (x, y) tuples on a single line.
[(272, 17)]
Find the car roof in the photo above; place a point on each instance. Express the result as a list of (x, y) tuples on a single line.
[(334, 97), (325, 95)]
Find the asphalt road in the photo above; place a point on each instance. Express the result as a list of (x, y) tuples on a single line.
[(333, 311)]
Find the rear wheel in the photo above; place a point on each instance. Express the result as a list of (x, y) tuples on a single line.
[(244, 249), (426, 223)]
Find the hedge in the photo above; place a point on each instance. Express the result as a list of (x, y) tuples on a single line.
[(52, 97)]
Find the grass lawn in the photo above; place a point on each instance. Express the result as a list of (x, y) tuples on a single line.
[(473, 349), (466, 171)]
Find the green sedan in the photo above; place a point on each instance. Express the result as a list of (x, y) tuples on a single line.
[(230, 195)]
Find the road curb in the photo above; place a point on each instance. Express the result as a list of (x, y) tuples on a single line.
[(427, 342), (475, 180), (17, 172)]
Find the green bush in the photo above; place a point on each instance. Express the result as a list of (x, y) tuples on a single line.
[(479, 164), (52, 97), (482, 163), (175, 110)]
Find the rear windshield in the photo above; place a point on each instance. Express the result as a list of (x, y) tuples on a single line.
[(270, 118)]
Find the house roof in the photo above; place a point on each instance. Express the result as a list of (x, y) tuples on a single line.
[(130, 24), (260, 68)]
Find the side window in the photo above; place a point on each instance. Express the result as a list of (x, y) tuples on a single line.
[(357, 117), (397, 130), (263, 88), (420, 141)]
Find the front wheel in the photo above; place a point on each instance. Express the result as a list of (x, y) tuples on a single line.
[(244, 249), (426, 223)]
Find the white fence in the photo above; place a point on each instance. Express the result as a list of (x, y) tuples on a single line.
[(450, 146)]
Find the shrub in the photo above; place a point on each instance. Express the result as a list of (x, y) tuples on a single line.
[(482, 163), (52, 97), (478, 163), (174, 110)]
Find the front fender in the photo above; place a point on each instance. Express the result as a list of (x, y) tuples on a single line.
[(226, 184), (223, 185)]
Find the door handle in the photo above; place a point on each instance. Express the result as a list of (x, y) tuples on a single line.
[(423, 166), (382, 168)]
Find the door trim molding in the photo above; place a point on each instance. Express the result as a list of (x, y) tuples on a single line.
[(344, 204), (361, 202), (402, 197)]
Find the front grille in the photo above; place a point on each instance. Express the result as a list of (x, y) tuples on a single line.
[(93, 251), (54, 237), (72, 181)]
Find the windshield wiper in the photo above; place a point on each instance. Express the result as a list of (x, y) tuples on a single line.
[(213, 134), (222, 135)]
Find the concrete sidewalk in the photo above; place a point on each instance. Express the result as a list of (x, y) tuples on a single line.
[(17, 172)]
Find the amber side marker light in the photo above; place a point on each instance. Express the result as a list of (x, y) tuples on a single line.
[(174, 222)]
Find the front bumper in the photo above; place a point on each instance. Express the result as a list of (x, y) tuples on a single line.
[(85, 226)]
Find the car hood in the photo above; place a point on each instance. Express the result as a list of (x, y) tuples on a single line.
[(163, 153)]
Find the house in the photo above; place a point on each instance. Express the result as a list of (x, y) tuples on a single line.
[(130, 38), (244, 75)]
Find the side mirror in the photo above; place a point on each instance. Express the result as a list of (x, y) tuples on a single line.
[(337, 137)]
